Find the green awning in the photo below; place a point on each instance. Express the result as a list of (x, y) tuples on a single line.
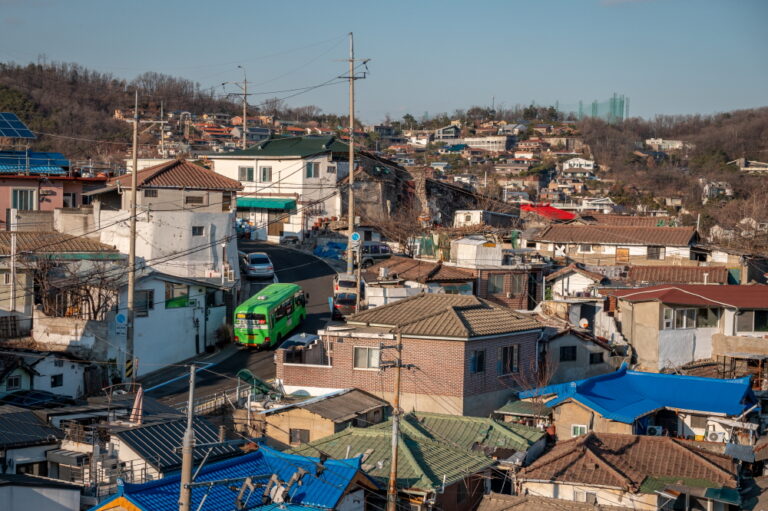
[(266, 203)]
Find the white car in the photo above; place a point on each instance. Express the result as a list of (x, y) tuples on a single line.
[(258, 264)]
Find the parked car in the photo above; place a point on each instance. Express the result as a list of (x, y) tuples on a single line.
[(344, 283), (343, 305), (258, 264), (372, 252)]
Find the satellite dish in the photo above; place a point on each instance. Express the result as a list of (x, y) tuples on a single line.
[(583, 323)]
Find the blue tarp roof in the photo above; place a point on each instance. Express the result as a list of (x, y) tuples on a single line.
[(39, 162), (317, 491), (625, 396)]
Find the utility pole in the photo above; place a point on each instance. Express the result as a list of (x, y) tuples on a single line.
[(129, 369), (392, 486), (187, 449), (243, 87), (351, 205), (162, 131), (13, 270)]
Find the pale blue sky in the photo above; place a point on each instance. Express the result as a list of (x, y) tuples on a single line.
[(668, 56)]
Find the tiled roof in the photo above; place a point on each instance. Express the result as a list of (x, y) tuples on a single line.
[(323, 491), (423, 461), (527, 408), (618, 235), (753, 296), (156, 443), (445, 315), (338, 407), (573, 267), (20, 427), (625, 220), (417, 270), (300, 147), (178, 174), (628, 461), (678, 274), (51, 242), (503, 502), (625, 396)]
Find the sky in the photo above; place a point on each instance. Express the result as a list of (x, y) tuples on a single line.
[(667, 56)]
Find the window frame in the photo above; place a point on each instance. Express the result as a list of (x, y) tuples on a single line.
[(492, 286), (13, 377), (368, 366), (199, 229), (171, 298), (246, 174), (330, 169), (141, 310), (150, 193), (656, 252), (581, 427), (569, 354), (508, 361), (32, 197), (300, 433), (477, 361), (311, 170), (57, 380), (593, 357), (194, 200), (261, 174)]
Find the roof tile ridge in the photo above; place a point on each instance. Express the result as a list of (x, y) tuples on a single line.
[(589, 449), (542, 461), (701, 458)]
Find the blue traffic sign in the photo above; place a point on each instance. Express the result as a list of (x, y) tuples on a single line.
[(355, 236)]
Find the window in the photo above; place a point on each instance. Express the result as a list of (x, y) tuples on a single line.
[(330, 169), (477, 361), (752, 321), (57, 380), (467, 218), (596, 358), (7, 279), (366, 358), (669, 318), (707, 318), (298, 436), (198, 230), (578, 430), (193, 199), (685, 318), (23, 199), (585, 249), (150, 193), (698, 421), (245, 173), (313, 169), (656, 253), (495, 284), (143, 302), (70, 200), (176, 295), (58, 363), (226, 201), (518, 283), (567, 353), (265, 174), (509, 358), (13, 382)]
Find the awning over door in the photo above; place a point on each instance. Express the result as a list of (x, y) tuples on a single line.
[(279, 203)]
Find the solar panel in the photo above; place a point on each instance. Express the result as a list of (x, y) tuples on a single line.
[(12, 127)]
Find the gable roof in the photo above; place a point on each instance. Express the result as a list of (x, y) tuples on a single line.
[(638, 464), (406, 268), (156, 443), (445, 315), (338, 406), (752, 296), (678, 274), (290, 147), (623, 220), (574, 268), (625, 396), (178, 174), (323, 491), (20, 427), (426, 459), (618, 235)]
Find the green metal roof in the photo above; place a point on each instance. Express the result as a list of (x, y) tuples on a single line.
[(431, 447), (529, 408), (266, 203), (292, 147)]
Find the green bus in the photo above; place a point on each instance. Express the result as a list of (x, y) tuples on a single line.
[(266, 318)]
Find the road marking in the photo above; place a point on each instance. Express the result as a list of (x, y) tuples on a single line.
[(163, 384)]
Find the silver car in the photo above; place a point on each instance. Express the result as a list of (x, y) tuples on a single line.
[(258, 264)]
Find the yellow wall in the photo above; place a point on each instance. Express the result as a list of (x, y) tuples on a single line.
[(569, 413)]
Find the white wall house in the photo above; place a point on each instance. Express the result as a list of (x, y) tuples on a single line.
[(288, 183), (579, 163)]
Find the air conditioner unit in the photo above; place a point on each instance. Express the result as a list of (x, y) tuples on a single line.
[(655, 431), (714, 436)]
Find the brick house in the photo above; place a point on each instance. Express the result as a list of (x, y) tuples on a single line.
[(465, 354)]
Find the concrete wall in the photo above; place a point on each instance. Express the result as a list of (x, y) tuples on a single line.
[(173, 199), (24, 296), (26, 380), (24, 455), (24, 498), (81, 337), (161, 235), (724, 344), (605, 496), (579, 368), (71, 372), (571, 284), (278, 426), (572, 413), (440, 382), (640, 324)]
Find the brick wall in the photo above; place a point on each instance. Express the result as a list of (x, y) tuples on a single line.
[(442, 368), (517, 300)]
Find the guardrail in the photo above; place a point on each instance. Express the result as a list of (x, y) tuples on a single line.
[(212, 403)]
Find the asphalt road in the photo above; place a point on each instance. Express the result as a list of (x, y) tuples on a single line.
[(311, 273)]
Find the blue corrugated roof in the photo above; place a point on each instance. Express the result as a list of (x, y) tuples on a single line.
[(625, 396), (322, 491)]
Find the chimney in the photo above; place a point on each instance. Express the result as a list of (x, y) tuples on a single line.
[(222, 433), (706, 278)]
